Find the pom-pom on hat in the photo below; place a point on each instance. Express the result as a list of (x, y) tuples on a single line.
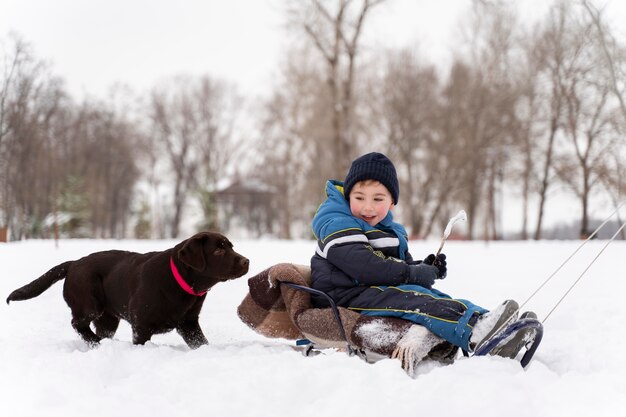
[(373, 166)]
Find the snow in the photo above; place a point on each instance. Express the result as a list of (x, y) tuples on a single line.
[(460, 216), (579, 369), (379, 332)]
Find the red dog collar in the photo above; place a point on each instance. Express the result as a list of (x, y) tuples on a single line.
[(182, 282)]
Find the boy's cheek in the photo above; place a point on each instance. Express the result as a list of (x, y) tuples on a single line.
[(354, 207)]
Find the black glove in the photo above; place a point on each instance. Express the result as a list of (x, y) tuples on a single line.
[(440, 262), (422, 274)]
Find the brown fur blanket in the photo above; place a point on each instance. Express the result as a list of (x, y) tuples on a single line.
[(279, 311)]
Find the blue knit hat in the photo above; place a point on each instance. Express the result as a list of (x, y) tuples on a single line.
[(373, 166)]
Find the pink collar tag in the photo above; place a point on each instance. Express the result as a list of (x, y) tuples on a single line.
[(182, 282)]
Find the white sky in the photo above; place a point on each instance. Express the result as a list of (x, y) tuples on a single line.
[(93, 44), (96, 43)]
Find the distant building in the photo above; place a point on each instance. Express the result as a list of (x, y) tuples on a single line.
[(246, 208)]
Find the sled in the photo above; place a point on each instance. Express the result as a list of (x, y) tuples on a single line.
[(278, 305), (530, 328), (309, 345)]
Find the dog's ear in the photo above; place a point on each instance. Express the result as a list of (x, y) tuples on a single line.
[(192, 252)]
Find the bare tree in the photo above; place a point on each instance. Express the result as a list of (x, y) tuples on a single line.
[(492, 53), (172, 117), (11, 61), (613, 54), (13, 58), (588, 118), (463, 129), (528, 114), (96, 189), (29, 101), (287, 160), (335, 28), (406, 109), (612, 175), (193, 120), (556, 51), (47, 160), (586, 129)]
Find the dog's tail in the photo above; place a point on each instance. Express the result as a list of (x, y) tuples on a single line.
[(41, 284)]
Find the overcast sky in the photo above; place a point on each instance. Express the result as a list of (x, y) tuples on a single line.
[(94, 43)]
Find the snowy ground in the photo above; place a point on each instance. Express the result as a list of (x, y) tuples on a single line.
[(579, 370)]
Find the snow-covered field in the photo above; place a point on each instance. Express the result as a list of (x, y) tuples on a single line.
[(579, 370)]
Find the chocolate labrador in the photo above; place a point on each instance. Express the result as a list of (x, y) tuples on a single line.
[(155, 292)]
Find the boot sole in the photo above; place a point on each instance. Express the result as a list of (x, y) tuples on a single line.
[(512, 347)]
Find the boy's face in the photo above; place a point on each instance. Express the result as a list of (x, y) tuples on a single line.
[(370, 201)]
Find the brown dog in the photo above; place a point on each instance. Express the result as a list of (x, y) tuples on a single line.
[(155, 292)]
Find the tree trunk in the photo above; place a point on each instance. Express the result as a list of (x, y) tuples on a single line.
[(545, 177)]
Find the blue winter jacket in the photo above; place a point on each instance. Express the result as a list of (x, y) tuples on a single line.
[(351, 255)]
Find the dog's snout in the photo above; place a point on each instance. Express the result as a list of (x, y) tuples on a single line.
[(244, 262)]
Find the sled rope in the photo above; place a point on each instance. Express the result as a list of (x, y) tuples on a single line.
[(584, 242), (583, 273)]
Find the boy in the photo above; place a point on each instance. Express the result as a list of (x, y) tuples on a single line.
[(362, 260)]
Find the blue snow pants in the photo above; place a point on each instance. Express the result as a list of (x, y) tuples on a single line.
[(451, 319)]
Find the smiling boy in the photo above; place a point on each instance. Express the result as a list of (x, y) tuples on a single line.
[(370, 201), (363, 263)]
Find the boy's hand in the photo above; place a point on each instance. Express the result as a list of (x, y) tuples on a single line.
[(438, 261), (422, 274)]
